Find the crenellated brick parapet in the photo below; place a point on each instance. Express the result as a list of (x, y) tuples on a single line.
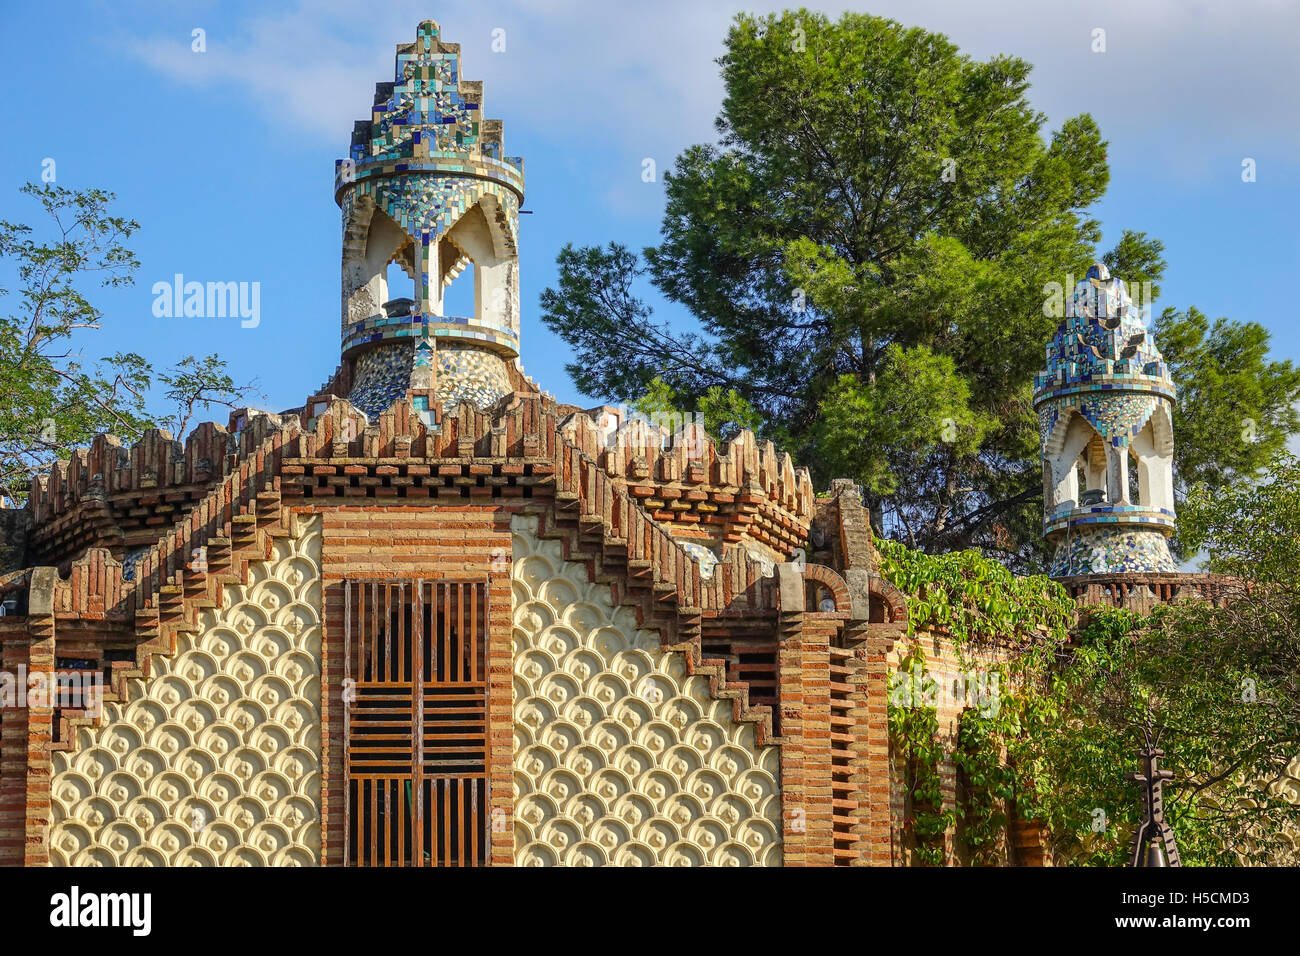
[(122, 498), (96, 587), (1142, 591), (737, 492)]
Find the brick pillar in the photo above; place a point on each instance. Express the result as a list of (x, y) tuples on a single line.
[(333, 778), (40, 734), (1030, 842), (803, 688), (872, 647), (803, 696), (789, 690), (13, 757), (819, 794), (500, 717), (948, 789)]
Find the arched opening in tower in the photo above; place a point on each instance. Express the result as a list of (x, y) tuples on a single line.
[(458, 296)]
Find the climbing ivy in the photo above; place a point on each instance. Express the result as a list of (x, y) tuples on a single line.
[(914, 734), (973, 597), (990, 784), (976, 600), (1216, 686)]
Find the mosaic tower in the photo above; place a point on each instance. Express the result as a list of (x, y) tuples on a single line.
[(426, 187), (1104, 405)]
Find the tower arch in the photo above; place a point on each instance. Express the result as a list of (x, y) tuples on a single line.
[(1105, 403)]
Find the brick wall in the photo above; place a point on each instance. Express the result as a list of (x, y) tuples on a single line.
[(13, 754), (956, 692)]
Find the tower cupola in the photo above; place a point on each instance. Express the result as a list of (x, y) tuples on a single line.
[(1105, 404), (427, 188)]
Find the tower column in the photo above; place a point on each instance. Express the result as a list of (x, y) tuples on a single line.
[(1104, 396), (426, 181)]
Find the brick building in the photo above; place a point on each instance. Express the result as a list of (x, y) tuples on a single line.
[(435, 617)]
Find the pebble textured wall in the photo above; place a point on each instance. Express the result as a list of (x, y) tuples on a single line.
[(1110, 551), (620, 757), (380, 378), (470, 375), (215, 759)]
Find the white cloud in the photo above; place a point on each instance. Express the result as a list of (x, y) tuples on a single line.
[(1178, 79)]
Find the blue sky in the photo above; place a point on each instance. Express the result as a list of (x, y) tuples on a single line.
[(226, 157)]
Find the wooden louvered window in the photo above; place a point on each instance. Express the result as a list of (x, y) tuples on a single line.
[(415, 725)]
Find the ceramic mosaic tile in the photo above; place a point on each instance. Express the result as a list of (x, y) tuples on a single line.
[(426, 158), (1103, 366)]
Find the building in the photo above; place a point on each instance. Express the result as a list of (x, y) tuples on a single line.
[(434, 617), (1105, 417)]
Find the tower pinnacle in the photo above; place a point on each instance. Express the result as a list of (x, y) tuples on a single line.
[(426, 187), (1104, 404)]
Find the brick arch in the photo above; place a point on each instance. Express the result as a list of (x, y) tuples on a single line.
[(829, 579), (888, 604)]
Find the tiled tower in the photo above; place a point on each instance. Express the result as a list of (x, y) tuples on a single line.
[(1104, 406), (426, 186)]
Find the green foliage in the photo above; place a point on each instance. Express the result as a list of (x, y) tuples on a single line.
[(973, 597), (882, 211), (723, 412), (1181, 679), (865, 254), (1249, 529), (989, 783), (1137, 258), (977, 601), (1235, 407), (595, 311), (918, 751), (1217, 687), (54, 400), (918, 408), (195, 383)]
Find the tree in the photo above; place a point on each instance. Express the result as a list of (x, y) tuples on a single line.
[(1236, 408), (55, 400), (722, 413), (877, 201), (1218, 687), (881, 214)]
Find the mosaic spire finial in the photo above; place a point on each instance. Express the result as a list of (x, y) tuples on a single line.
[(427, 187), (1105, 412)]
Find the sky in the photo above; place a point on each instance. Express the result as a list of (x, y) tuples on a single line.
[(226, 156)]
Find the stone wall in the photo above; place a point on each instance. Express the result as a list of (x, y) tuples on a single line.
[(215, 759), (621, 756)]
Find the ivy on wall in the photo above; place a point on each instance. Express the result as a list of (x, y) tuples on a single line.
[(976, 602), (918, 752), (972, 597)]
